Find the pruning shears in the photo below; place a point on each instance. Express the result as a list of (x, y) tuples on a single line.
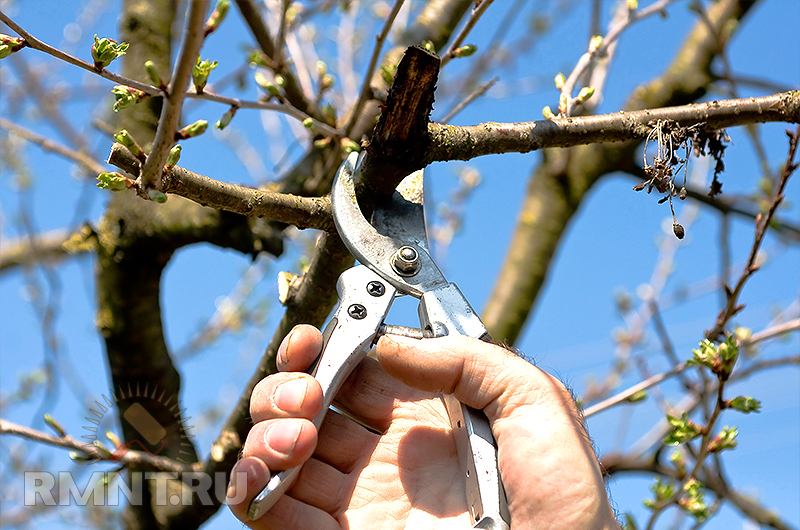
[(395, 261)]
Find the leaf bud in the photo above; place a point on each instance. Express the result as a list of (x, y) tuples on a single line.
[(104, 51), (308, 123), (349, 146), (744, 404), (547, 112), (113, 181), (53, 424), (585, 93), (124, 138), (226, 118), (200, 73), (560, 80), (152, 73), (126, 96), (158, 196), (174, 155), (595, 43), (465, 50), (190, 131), (217, 16)]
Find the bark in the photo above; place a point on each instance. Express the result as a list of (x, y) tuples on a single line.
[(564, 177)]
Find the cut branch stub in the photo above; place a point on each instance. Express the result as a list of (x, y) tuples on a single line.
[(400, 140)]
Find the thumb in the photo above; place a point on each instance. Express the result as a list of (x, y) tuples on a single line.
[(479, 374)]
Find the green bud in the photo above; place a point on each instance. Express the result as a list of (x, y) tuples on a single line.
[(693, 501), (53, 424), (465, 50), (562, 104), (190, 131), (637, 396), (428, 45), (387, 73), (560, 80), (200, 73), (78, 457), (5, 51), (349, 146), (158, 196), (585, 93), (744, 404), (662, 490), (308, 123), (174, 155), (104, 51), (152, 73), (280, 80), (683, 430), (113, 438), (633, 5), (726, 439), (113, 181), (322, 143), (226, 118), (595, 43), (126, 96), (329, 113), (705, 355), (124, 138), (326, 81), (678, 461), (322, 68), (217, 16), (547, 112)]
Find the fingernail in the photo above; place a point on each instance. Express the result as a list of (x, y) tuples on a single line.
[(283, 435), (231, 492), (282, 357), (290, 396)]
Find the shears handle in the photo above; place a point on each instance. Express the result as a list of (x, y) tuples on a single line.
[(445, 310), (364, 301)]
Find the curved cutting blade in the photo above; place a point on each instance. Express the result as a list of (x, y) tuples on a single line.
[(402, 223)]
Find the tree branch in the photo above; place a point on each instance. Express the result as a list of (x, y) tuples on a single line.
[(48, 247), (130, 459), (303, 212), (176, 92), (449, 142)]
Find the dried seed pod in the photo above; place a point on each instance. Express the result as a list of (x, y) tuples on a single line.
[(678, 229)]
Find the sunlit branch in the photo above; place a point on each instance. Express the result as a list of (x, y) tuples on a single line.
[(193, 37)]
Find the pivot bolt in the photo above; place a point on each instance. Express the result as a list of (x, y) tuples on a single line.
[(376, 289), (357, 311), (406, 261)]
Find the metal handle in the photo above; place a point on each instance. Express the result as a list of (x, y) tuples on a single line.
[(445, 310), (364, 301)]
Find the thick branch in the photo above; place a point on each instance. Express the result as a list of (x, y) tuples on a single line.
[(449, 142), (303, 212)]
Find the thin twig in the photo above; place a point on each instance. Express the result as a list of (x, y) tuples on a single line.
[(762, 223), (459, 40), (366, 89), (89, 164), (130, 459), (478, 92), (612, 35)]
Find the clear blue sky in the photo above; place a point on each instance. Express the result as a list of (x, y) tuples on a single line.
[(612, 245)]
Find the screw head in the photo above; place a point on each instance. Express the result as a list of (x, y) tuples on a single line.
[(376, 288), (406, 261), (357, 311)]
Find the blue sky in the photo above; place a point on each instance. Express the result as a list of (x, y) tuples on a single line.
[(612, 245)]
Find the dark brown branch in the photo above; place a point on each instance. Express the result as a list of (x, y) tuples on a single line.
[(303, 212), (449, 142)]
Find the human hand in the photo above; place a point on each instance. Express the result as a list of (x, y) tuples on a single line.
[(409, 476)]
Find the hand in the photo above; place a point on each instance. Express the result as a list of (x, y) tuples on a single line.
[(409, 477)]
